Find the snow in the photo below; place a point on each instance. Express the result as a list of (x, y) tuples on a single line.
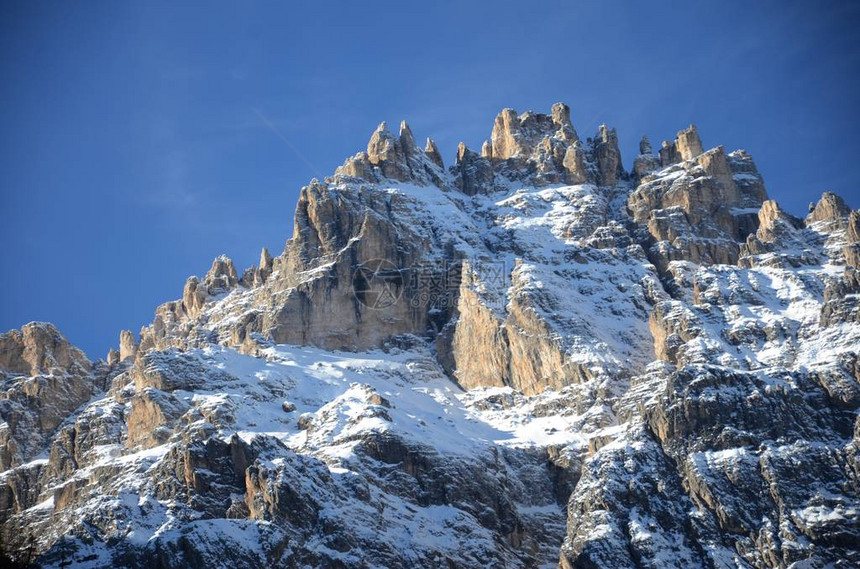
[(334, 388)]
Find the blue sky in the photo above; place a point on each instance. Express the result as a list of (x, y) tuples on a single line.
[(133, 150)]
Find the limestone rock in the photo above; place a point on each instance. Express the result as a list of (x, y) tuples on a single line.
[(697, 210), (632, 389), (507, 136), (842, 299), (646, 162), (473, 174), (851, 250), (433, 153), (544, 149), (382, 145), (407, 140), (152, 417), (193, 297), (387, 153), (477, 351), (669, 154), (607, 156), (394, 158), (561, 115), (831, 209), (39, 348), (487, 150), (854, 226), (358, 166), (673, 325), (46, 378), (575, 165), (19, 490), (256, 276), (170, 370), (686, 146), (644, 510), (265, 269), (221, 277), (777, 242), (127, 345), (688, 143), (77, 445), (747, 179)]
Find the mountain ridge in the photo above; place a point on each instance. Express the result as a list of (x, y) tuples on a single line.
[(598, 344)]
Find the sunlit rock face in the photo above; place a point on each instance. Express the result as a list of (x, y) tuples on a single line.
[(533, 357)]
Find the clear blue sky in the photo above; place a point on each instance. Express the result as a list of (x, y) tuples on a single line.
[(132, 154)]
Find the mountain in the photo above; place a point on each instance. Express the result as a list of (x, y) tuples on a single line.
[(531, 358)]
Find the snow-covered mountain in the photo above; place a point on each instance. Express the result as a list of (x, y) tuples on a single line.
[(532, 358)]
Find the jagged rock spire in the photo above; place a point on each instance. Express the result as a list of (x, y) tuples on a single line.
[(193, 297), (222, 275), (473, 174), (646, 161), (686, 146), (668, 154), (608, 156), (561, 115), (380, 147), (127, 345), (688, 143), (575, 165), (433, 153), (506, 135), (265, 260), (407, 141), (487, 150), (462, 153)]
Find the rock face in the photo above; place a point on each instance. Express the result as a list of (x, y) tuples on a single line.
[(831, 210), (686, 146), (44, 379), (127, 345), (39, 348), (545, 149), (532, 358), (779, 240), (688, 143), (646, 162), (700, 209)]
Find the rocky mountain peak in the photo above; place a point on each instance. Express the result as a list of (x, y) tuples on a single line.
[(39, 348), (516, 136), (382, 145), (222, 275), (533, 358), (45, 378), (831, 210)]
